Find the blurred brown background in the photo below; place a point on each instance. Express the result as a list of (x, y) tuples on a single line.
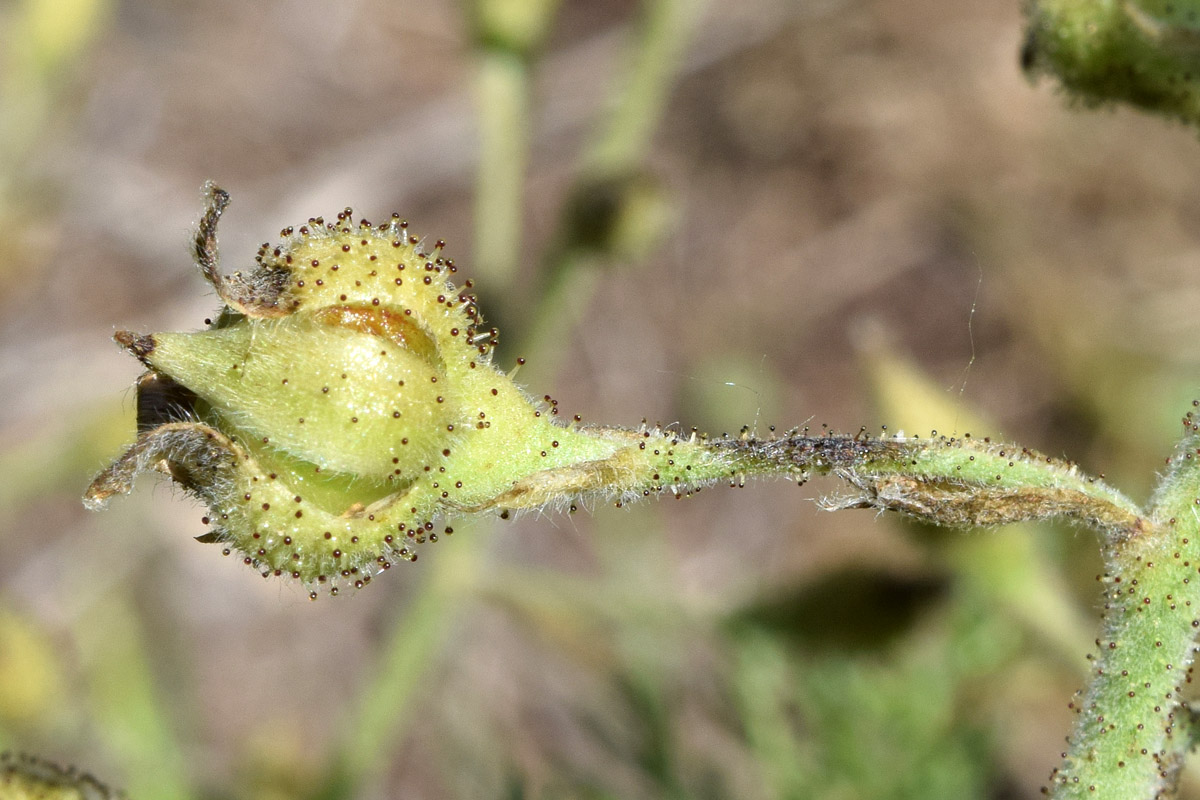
[(853, 213)]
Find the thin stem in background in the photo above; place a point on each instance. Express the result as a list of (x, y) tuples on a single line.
[(574, 262), (502, 100)]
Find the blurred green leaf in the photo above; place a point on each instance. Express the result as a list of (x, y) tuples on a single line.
[(850, 610)]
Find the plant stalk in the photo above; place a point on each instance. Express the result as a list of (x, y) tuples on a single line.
[(1132, 730)]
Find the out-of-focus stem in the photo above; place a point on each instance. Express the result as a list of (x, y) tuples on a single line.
[(129, 708), (502, 95), (640, 96), (385, 704), (638, 103)]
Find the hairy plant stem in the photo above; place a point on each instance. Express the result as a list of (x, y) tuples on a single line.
[(1133, 731), (944, 481), (1128, 742), (1124, 743), (333, 476)]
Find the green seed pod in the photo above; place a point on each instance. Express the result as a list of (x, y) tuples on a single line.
[(345, 399), (342, 400)]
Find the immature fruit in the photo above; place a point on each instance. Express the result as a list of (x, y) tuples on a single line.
[(345, 397)]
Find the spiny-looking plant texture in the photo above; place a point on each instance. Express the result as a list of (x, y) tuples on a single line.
[(345, 399)]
